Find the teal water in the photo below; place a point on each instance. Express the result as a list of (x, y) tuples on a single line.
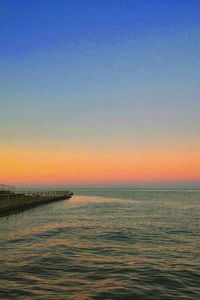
[(128, 244)]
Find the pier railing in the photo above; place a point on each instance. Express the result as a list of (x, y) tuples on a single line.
[(7, 188), (49, 194)]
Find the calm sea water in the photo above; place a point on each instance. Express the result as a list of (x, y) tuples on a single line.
[(130, 244)]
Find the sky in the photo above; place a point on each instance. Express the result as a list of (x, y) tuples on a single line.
[(100, 92)]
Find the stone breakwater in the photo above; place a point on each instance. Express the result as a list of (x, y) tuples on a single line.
[(13, 202)]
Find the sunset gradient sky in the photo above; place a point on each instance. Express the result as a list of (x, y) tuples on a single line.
[(100, 92)]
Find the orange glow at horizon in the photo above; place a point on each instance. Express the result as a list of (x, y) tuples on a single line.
[(79, 168)]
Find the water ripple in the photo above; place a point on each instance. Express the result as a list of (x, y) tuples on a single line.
[(104, 245)]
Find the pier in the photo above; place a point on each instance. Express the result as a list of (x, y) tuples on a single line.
[(12, 201)]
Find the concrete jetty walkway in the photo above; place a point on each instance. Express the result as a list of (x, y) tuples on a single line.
[(11, 201)]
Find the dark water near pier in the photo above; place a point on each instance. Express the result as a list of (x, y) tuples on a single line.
[(130, 244)]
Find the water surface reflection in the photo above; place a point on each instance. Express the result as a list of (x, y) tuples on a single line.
[(108, 245)]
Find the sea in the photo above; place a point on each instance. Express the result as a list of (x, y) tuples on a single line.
[(104, 244)]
